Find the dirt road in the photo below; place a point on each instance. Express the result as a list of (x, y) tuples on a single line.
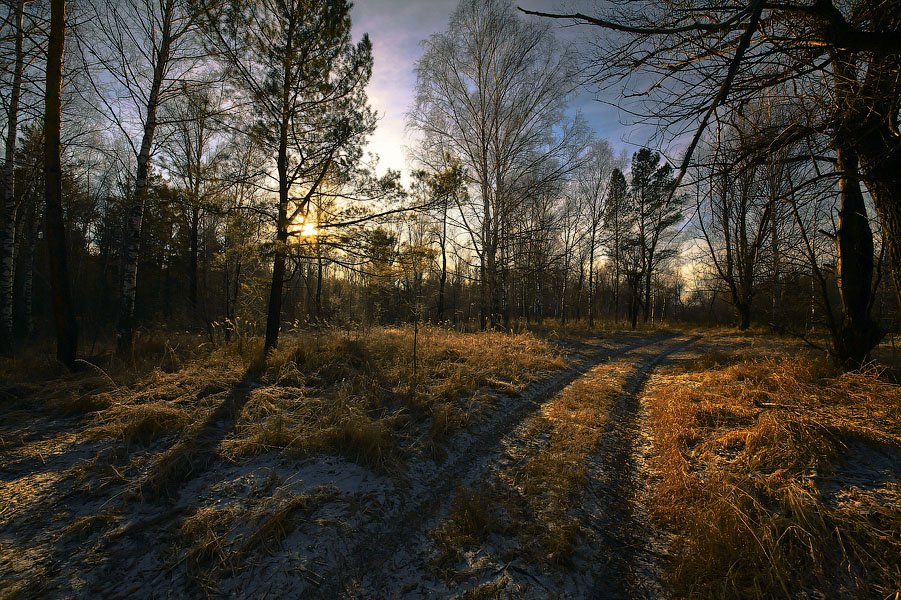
[(327, 527)]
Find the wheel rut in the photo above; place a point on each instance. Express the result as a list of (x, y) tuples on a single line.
[(626, 564), (388, 538)]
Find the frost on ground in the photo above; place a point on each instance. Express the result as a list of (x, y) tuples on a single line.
[(542, 486)]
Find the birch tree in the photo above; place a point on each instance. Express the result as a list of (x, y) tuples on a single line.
[(593, 179), (142, 53), (492, 90)]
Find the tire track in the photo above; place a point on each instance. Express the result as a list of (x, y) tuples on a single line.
[(389, 536), (625, 564)]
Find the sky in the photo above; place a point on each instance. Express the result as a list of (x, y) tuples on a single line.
[(397, 27)]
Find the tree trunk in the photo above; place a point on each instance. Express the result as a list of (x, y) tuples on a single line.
[(872, 127), (66, 326), (633, 299), (591, 279), (858, 333), (319, 271), (563, 300), (192, 283), (744, 315), (8, 235), (646, 308), (442, 282), (28, 288), (273, 316), (776, 267), (616, 278), (134, 220), (483, 293)]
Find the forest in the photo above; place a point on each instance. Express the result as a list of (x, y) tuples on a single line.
[(240, 357)]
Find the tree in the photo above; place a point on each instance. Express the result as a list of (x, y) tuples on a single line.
[(693, 58), (492, 90), (734, 217), (8, 234), (571, 234), (146, 50), (66, 326), (656, 211), (294, 63), (593, 180), (618, 221), (194, 158), (444, 187)]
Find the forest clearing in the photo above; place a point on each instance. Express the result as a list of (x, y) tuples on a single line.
[(508, 465), (450, 299)]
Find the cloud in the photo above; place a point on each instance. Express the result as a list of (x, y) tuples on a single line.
[(396, 28)]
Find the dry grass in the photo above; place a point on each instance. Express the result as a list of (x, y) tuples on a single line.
[(141, 423), (355, 394), (326, 392), (503, 587), (550, 481), (218, 540), (473, 516), (281, 513), (84, 527), (751, 454), (204, 534)]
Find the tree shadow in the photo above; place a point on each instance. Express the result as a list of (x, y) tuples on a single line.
[(195, 451)]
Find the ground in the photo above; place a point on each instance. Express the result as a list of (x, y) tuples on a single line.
[(598, 464)]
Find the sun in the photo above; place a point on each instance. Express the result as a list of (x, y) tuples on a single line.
[(308, 229), (304, 228)]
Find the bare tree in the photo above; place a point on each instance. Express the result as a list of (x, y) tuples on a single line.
[(733, 214), (145, 52), (691, 59), (593, 180), (8, 191), (194, 156), (492, 90)]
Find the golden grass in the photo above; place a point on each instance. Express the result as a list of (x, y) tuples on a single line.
[(281, 514), (551, 481), (202, 540), (742, 445), (208, 542), (83, 527), (141, 423), (350, 393)]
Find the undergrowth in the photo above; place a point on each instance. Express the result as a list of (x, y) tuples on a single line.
[(356, 394)]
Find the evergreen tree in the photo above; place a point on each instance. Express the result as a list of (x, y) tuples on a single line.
[(295, 63)]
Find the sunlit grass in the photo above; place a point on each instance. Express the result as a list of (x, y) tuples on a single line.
[(746, 448)]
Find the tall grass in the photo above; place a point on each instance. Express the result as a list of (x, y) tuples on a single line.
[(751, 454)]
